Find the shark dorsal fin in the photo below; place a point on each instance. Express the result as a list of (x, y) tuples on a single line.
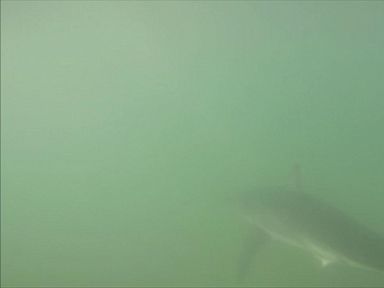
[(297, 177)]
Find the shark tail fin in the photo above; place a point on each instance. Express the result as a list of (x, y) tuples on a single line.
[(254, 241)]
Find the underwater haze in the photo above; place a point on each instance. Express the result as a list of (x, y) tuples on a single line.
[(129, 130)]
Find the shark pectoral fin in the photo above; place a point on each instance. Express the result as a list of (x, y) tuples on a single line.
[(325, 262), (253, 242)]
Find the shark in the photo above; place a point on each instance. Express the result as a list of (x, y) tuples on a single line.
[(300, 219)]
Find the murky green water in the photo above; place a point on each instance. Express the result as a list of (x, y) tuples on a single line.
[(129, 128)]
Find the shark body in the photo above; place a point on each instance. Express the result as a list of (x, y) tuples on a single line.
[(301, 220)]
